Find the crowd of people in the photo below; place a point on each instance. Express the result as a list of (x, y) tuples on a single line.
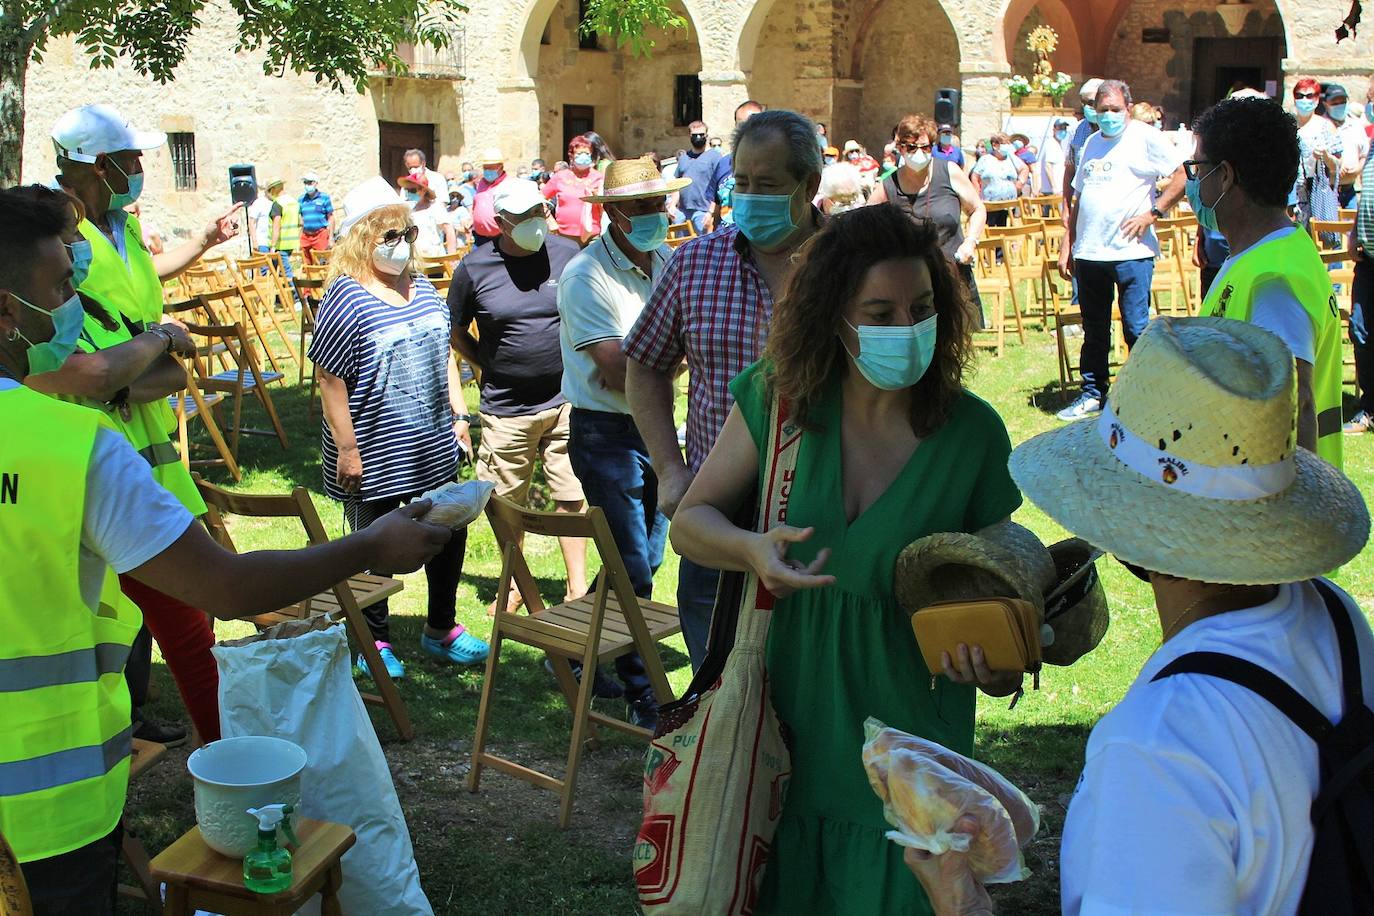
[(821, 277)]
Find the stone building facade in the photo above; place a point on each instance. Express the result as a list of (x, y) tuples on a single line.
[(520, 77)]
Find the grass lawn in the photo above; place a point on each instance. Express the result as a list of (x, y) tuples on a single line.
[(499, 851)]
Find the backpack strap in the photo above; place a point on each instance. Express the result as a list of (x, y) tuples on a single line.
[(1352, 682), (1259, 680)]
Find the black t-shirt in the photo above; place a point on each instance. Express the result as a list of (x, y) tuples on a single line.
[(514, 301)]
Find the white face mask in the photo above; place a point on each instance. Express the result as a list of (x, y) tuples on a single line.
[(529, 235), (391, 259), (916, 159)]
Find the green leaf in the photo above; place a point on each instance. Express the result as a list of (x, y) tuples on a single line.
[(627, 20)]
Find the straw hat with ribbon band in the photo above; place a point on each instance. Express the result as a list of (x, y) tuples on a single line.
[(634, 179), (1192, 468), (1008, 561), (416, 182)]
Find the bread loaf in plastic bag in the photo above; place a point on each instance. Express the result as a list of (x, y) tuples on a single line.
[(926, 787), (457, 505)]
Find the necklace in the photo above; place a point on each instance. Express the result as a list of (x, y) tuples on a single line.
[(1188, 616)]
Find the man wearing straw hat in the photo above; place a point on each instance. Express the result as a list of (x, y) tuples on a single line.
[(1197, 793), (1237, 183), (600, 296)]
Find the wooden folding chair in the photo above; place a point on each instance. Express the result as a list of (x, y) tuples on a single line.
[(681, 232), (344, 600), (1168, 277), (243, 379), (441, 266), (260, 294), (228, 306), (1023, 258), (315, 256), (145, 755), (1011, 207), (992, 271), (192, 403), (591, 629), (200, 278), (309, 292), (14, 891)]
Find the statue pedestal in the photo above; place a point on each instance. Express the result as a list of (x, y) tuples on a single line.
[(1037, 102)]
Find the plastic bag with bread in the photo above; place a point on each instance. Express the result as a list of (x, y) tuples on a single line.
[(457, 505), (926, 787)]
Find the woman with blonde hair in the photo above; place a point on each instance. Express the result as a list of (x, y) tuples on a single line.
[(395, 424), (868, 347)]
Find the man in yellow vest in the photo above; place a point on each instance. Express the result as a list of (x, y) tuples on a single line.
[(286, 223), (78, 505), (1238, 182)]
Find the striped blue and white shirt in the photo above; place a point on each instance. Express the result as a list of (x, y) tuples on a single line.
[(394, 361)]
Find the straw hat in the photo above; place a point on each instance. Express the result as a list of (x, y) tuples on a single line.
[(634, 179), (418, 181), (492, 156), (1192, 470)]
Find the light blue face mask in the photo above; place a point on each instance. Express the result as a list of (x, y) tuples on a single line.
[(648, 231), (1337, 112), (81, 255), (490, 175), (1017, 145), (1369, 112), (893, 358), (1006, 149), (1111, 123), (413, 196), (1206, 215), (1305, 106), (121, 199), (67, 319), (1090, 114), (765, 219), (582, 160)]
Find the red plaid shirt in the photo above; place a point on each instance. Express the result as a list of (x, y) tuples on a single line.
[(712, 306)]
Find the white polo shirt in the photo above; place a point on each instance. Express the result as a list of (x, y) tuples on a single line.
[(600, 296)]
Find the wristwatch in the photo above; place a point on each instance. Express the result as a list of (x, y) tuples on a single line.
[(1156, 213), (165, 334), (463, 417)]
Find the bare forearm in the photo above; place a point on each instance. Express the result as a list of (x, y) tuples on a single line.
[(171, 263), (703, 534), (650, 394), (101, 375), (164, 377), (466, 346), (610, 363), (1171, 194), (334, 396)]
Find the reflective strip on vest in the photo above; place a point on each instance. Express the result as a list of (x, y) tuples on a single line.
[(290, 237), (160, 453), (1293, 259), (75, 667), (61, 768)]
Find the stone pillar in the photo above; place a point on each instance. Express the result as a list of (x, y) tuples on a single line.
[(722, 91), (984, 103), (1313, 50), (846, 99), (509, 121)]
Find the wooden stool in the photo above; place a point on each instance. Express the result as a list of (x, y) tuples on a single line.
[(199, 878)]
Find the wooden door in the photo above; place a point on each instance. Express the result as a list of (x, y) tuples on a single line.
[(577, 119), (395, 138), (1221, 63)]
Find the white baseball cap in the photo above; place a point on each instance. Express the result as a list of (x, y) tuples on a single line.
[(86, 132), (372, 194), (516, 196), (310, 178)]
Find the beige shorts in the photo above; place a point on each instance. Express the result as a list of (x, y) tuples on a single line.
[(506, 453)]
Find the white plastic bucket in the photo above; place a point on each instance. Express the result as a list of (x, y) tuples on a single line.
[(234, 774)]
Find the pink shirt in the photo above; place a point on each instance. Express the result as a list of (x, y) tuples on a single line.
[(483, 210), (573, 215)]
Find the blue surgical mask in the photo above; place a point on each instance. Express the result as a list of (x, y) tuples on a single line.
[(1006, 149), (1017, 145), (1337, 112), (1305, 106), (829, 160), (1369, 112), (946, 139), (1111, 123), (765, 219), (81, 254), (121, 199), (1206, 215), (648, 231), (1061, 135), (413, 196), (490, 175), (1090, 114), (582, 160), (893, 358), (312, 190), (67, 320)]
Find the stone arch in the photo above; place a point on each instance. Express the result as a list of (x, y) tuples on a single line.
[(1056, 13), (525, 30)]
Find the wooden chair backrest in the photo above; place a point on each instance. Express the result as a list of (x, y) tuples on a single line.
[(312, 271), (1323, 229), (205, 279), (1020, 242), (220, 503)]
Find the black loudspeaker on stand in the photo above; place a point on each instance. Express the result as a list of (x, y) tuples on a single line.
[(243, 189), (947, 106)]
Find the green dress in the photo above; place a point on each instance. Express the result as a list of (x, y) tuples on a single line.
[(840, 654)]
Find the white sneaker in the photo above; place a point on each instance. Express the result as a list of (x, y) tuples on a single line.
[(1083, 407)]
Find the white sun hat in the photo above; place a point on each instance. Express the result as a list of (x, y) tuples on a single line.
[(372, 194), (1192, 469), (516, 195), (492, 155), (86, 132)]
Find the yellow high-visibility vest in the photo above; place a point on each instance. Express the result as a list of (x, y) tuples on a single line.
[(66, 738), (1293, 259)]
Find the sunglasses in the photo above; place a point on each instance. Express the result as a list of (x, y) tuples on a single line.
[(409, 234), (913, 147), (1305, 95)]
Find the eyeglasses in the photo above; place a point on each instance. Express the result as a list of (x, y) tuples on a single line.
[(409, 233), (1305, 95), (913, 147), (1191, 170)]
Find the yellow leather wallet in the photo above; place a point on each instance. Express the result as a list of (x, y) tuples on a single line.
[(1006, 628)]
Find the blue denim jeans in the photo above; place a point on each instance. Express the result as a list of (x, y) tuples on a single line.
[(697, 218), (611, 461), (1361, 313), (696, 601), (1099, 282)]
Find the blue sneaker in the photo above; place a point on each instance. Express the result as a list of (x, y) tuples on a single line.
[(393, 664), (464, 649)]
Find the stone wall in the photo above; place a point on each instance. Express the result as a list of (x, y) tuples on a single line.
[(911, 51)]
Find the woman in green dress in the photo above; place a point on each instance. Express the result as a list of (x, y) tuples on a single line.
[(868, 346)]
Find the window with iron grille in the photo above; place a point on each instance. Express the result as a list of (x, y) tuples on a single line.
[(183, 146), (686, 99)]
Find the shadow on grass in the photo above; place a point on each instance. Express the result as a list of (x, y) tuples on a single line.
[(1049, 399)]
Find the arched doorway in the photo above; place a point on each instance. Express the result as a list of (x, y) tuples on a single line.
[(905, 51)]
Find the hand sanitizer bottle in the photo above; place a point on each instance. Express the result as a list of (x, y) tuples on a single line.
[(267, 869)]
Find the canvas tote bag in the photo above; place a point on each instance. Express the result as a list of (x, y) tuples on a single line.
[(716, 774)]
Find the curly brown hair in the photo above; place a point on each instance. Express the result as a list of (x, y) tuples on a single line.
[(914, 126), (804, 354)]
